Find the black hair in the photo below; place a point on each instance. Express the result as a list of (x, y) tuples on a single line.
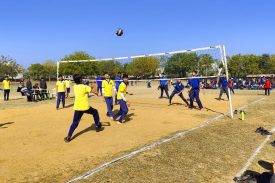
[(118, 72), (105, 73), (59, 75), (77, 78), (196, 72), (125, 76)]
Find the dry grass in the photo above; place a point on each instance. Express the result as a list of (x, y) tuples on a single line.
[(211, 154)]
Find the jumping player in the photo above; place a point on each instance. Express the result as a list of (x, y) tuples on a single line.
[(179, 87), (6, 88), (223, 88), (81, 106), (118, 81), (107, 86), (61, 90), (163, 86), (194, 90), (121, 97)]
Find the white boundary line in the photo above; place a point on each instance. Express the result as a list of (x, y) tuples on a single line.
[(255, 153), (157, 143)]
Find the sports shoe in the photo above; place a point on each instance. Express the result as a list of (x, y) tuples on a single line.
[(98, 127), (265, 132), (67, 139), (273, 143), (259, 130)]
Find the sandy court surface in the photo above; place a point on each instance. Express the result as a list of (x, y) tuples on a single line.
[(32, 146)]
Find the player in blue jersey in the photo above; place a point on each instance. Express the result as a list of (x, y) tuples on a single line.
[(194, 90), (179, 87), (163, 86), (118, 80), (223, 87)]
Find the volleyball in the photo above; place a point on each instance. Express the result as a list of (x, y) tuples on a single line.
[(119, 32)]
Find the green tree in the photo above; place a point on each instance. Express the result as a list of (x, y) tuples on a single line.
[(36, 71), (8, 66), (179, 65), (143, 67), (50, 69), (86, 68), (205, 65)]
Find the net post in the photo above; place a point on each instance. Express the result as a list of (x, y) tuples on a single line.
[(227, 77), (57, 69)]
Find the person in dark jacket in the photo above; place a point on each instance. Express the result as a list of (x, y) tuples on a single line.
[(43, 87), (29, 88)]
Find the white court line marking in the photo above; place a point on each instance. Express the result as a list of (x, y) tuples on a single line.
[(157, 143), (255, 153)]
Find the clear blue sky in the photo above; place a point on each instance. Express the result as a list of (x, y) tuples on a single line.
[(34, 30)]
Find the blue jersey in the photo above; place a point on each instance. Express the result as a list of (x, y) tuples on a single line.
[(178, 87), (195, 83), (99, 81), (224, 82), (163, 81), (118, 80)]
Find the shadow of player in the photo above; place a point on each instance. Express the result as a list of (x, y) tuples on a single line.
[(91, 128), (2, 125)]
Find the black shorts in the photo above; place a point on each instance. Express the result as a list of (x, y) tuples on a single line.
[(68, 90)]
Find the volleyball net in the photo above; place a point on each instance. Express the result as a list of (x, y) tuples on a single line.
[(209, 62)]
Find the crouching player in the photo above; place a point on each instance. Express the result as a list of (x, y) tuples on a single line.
[(179, 87), (121, 98), (81, 106)]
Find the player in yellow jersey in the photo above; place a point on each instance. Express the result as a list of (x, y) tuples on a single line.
[(121, 98), (108, 86), (61, 90), (68, 87), (81, 106), (6, 88)]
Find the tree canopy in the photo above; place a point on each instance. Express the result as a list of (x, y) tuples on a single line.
[(9, 67)]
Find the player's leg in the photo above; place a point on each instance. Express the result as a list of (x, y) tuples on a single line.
[(184, 100), (221, 93), (124, 109), (268, 91), (5, 95), (191, 96), (8, 94), (63, 99), (58, 100), (76, 119), (166, 91), (265, 91), (161, 91), (171, 96), (197, 96), (116, 102), (95, 115), (119, 113), (108, 101)]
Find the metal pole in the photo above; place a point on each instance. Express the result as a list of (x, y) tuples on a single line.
[(227, 77), (57, 69)]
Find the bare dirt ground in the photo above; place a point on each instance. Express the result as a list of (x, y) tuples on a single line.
[(32, 146)]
